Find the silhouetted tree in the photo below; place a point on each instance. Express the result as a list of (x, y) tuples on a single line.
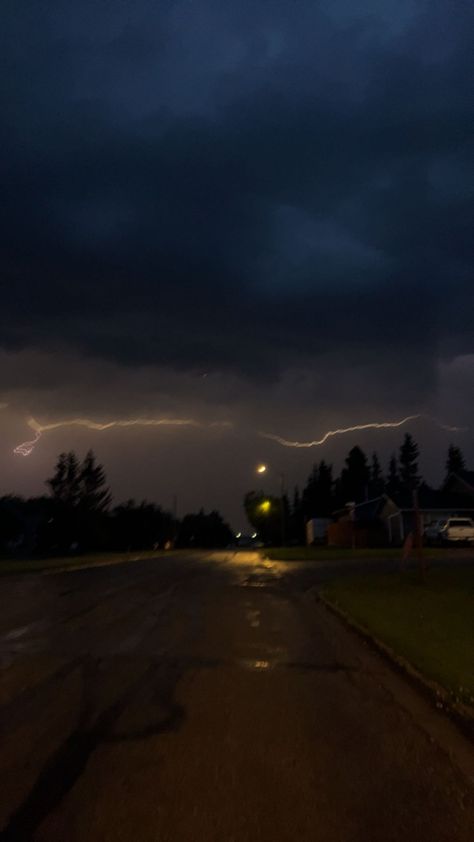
[(355, 476), (325, 489), (139, 527), (94, 496), (81, 499), (204, 530), (11, 522), (296, 532), (318, 496), (310, 494), (264, 513), (93, 501), (408, 458), (26, 525), (392, 483), (455, 461), (376, 479), (64, 484)]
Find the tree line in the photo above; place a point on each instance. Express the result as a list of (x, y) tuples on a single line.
[(77, 515), (361, 478)]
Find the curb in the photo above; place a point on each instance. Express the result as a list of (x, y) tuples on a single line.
[(50, 571), (71, 568), (461, 714)]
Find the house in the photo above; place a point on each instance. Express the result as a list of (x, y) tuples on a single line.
[(433, 505), (389, 519), (460, 483), (363, 524)]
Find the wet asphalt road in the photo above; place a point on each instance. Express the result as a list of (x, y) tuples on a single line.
[(211, 698)]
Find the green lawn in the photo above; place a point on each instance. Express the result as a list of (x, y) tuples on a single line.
[(431, 624), (323, 552), (32, 565)]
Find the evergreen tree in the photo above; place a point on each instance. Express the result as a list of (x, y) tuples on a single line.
[(409, 452), (325, 489), (94, 496), (94, 499), (297, 520), (376, 479), (455, 461), (318, 497), (296, 507), (355, 476), (65, 483), (310, 494), (81, 499), (392, 483), (65, 491)]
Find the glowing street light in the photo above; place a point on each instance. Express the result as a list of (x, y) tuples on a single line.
[(265, 506)]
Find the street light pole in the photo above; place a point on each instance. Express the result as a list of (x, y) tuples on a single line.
[(262, 469)]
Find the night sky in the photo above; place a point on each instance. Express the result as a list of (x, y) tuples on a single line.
[(254, 215)]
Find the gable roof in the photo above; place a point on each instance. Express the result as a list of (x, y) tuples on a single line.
[(370, 509), (460, 480), (428, 499), (467, 477), (431, 498)]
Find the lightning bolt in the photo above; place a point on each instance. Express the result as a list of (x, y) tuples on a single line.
[(27, 447), (374, 425)]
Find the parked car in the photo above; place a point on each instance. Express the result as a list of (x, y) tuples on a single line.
[(432, 531), (458, 529)]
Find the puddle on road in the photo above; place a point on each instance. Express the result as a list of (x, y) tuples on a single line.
[(265, 665), (15, 633), (253, 617), (258, 665)]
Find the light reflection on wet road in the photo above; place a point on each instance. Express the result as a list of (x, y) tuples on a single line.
[(211, 698)]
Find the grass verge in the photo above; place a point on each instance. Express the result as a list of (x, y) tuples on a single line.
[(10, 566), (430, 624), (324, 553)]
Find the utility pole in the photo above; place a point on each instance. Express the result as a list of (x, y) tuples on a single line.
[(175, 519), (283, 513), (351, 506), (262, 469), (418, 534)]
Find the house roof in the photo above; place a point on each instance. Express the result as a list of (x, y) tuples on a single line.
[(431, 498), (463, 478), (367, 510), (370, 509), (467, 477), (428, 499)]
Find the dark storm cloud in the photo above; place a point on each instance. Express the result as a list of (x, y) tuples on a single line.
[(237, 187)]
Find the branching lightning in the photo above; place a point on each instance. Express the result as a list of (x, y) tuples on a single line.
[(374, 425), (27, 447)]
